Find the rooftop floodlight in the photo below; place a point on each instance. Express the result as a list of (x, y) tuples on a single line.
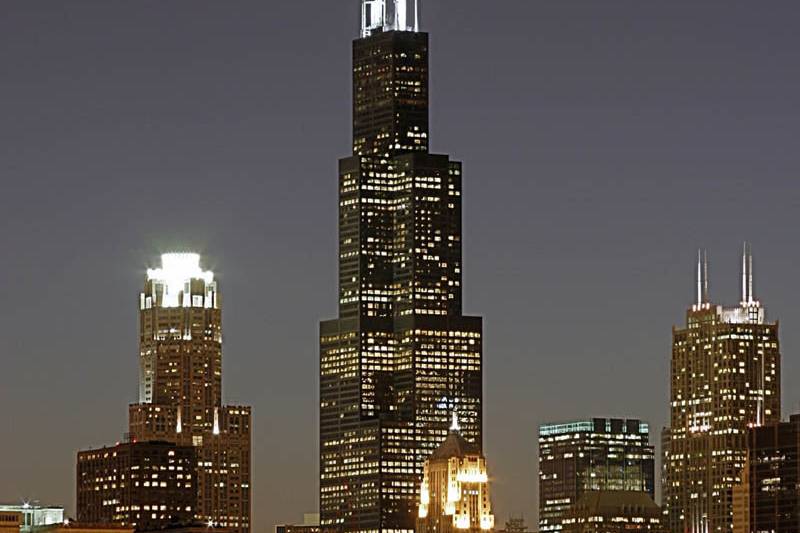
[(389, 15)]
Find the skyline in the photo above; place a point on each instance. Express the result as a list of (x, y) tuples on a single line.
[(576, 272)]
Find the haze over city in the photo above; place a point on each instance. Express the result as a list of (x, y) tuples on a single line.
[(602, 143)]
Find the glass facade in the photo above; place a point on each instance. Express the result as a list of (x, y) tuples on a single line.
[(601, 454)]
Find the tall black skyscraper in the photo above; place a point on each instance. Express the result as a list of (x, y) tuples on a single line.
[(401, 357)]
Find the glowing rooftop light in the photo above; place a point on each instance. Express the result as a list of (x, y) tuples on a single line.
[(389, 15), (176, 271)]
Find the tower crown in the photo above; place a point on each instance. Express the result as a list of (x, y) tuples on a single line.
[(389, 15), (172, 282)]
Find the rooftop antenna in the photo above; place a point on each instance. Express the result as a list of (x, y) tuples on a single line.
[(747, 275), (702, 279), (705, 277)]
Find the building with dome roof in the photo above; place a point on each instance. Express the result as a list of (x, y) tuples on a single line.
[(454, 495)]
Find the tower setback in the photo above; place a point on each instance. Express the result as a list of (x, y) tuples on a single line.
[(401, 356)]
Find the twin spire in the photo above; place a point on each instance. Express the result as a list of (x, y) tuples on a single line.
[(748, 294)]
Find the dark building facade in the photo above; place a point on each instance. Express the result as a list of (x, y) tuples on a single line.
[(725, 378), (772, 484), (401, 357), (614, 511), (143, 485), (601, 454)]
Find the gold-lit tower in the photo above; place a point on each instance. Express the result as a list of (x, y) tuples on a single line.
[(725, 378), (454, 495)]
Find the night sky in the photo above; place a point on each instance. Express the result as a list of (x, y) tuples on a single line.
[(603, 143)]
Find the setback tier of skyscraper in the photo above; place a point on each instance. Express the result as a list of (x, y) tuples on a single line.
[(725, 378), (401, 357), (601, 454)]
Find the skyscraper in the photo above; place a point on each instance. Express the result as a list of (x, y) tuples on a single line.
[(725, 378), (180, 387), (180, 403), (601, 454), (401, 357)]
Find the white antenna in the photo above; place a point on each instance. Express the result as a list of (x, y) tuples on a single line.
[(750, 294), (699, 299), (705, 277), (747, 275)]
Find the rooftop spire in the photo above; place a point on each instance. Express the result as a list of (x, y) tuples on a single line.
[(702, 279), (747, 275), (454, 426)]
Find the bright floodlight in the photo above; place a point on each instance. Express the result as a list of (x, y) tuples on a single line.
[(388, 15), (176, 271)]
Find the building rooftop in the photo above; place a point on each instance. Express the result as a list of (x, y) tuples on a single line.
[(600, 502)]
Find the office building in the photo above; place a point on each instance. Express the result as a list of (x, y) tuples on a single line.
[(454, 495), (142, 485), (591, 455), (401, 356), (725, 378), (614, 511), (769, 494)]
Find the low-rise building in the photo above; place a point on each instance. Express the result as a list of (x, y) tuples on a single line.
[(614, 511), (28, 517), (144, 485)]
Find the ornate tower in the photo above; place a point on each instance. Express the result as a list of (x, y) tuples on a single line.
[(180, 387)]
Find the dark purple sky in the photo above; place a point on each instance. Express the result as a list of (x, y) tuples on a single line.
[(603, 142)]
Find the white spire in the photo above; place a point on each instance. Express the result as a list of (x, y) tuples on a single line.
[(216, 421), (178, 425), (454, 426), (748, 294), (699, 278), (702, 280)]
